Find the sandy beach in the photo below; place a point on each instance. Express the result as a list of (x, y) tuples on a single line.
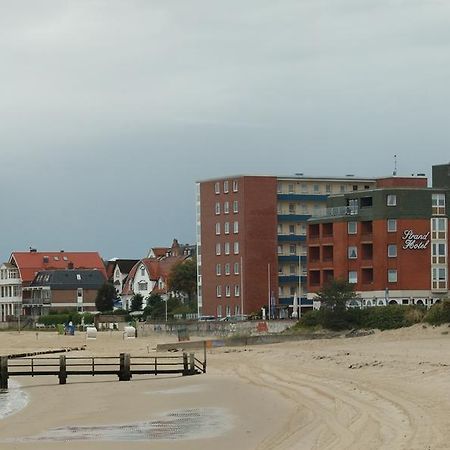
[(389, 390)]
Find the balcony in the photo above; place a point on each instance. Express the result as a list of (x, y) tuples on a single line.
[(291, 258), (302, 197), (293, 217), (291, 278), (36, 301), (339, 211), (291, 238), (290, 300)]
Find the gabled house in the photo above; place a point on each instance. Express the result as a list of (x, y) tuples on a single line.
[(22, 267), (149, 275), (64, 289), (118, 271)]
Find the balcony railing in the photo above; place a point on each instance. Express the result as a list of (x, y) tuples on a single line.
[(338, 211)]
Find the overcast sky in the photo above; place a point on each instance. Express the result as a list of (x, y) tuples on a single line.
[(110, 110)]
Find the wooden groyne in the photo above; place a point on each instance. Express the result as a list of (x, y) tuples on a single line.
[(124, 366)]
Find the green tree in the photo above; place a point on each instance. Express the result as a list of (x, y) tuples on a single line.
[(156, 308), (136, 302), (104, 301), (183, 279), (334, 298)]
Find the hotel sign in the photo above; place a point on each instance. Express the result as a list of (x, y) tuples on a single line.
[(412, 241)]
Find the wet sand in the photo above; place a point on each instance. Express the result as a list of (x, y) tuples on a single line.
[(389, 390)]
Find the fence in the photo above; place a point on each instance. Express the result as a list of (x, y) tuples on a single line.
[(124, 366)]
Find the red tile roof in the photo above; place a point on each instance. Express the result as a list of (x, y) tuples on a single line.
[(30, 263)]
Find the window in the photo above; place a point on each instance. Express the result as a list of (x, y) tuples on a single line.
[(304, 208), (291, 208), (217, 208), (236, 248), (236, 290), (225, 187), (291, 229), (316, 189), (439, 278), (353, 276), (217, 228), (292, 269), (439, 228), (219, 291), (227, 248), (218, 269), (236, 268), (217, 188), (226, 228), (142, 286), (292, 249), (279, 188), (328, 188), (227, 291), (392, 225), (291, 189), (439, 253), (352, 227), (226, 208), (235, 185), (355, 187), (352, 252), (292, 290), (392, 275), (391, 200), (438, 204), (304, 188), (236, 227), (218, 248), (280, 228), (227, 269), (219, 310), (142, 271), (392, 251), (235, 206), (342, 188), (280, 249), (228, 310)]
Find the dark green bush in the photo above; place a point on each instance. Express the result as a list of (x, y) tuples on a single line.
[(438, 314)]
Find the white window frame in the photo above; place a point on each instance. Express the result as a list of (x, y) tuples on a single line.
[(227, 291), (237, 290), (352, 252), (218, 269), (226, 207), (391, 225), (218, 290), (226, 228), (236, 248), (392, 276), (392, 250), (217, 228), (391, 200), (353, 276), (225, 187), (217, 187), (236, 268), (218, 249), (226, 248), (217, 209), (236, 227), (349, 231), (235, 206), (438, 204), (227, 269), (235, 185)]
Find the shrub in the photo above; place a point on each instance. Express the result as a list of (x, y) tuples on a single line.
[(438, 314)]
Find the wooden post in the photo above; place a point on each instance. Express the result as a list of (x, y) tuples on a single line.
[(185, 365), (62, 369), (3, 372), (191, 364), (204, 356), (125, 371)]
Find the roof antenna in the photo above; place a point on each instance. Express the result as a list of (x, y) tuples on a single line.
[(394, 173)]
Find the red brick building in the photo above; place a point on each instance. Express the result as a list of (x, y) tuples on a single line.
[(391, 242)]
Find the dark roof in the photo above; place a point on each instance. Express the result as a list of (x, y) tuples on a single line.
[(125, 265), (69, 279)]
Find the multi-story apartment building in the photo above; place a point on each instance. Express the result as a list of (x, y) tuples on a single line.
[(10, 291), (251, 240), (390, 241)]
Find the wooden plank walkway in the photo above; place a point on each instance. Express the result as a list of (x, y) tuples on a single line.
[(124, 366)]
